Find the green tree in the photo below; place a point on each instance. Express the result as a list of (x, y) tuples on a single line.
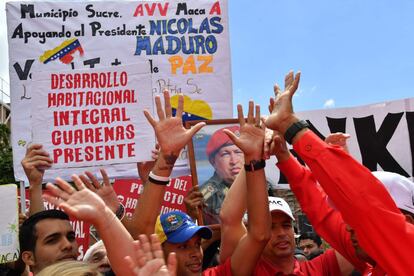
[(6, 156)]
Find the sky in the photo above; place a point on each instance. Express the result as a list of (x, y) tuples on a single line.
[(350, 52)]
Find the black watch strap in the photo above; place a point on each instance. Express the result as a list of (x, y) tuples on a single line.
[(255, 165), (294, 129)]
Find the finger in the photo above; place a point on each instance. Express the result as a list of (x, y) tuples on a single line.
[(288, 79), (156, 247), (55, 191), (70, 210), (140, 258), (65, 186), (277, 90), (172, 264), (51, 199), (95, 181), (257, 118), (37, 158), (146, 247), (232, 136), (40, 165), (105, 177), (167, 104), (250, 117), (37, 152), (295, 85), (195, 129), (87, 183), (78, 182), (240, 115), (271, 104), (180, 106), (132, 265), (197, 202), (160, 112), (150, 118), (32, 147)]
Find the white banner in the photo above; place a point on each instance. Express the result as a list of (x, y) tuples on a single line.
[(9, 224), (185, 46), (382, 135)]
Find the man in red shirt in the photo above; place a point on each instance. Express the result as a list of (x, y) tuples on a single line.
[(359, 197), (278, 256)]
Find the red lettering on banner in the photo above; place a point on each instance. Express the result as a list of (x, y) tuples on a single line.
[(215, 8), (99, 153), (139, 10), (94, 124)]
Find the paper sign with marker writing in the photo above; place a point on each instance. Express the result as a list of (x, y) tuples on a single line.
[(93, 116), (9, 224)]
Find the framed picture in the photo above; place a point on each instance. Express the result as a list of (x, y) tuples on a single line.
[(214, 163), (201, 168)]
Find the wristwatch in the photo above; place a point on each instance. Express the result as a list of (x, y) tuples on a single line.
[(294, 129), (255, 165)]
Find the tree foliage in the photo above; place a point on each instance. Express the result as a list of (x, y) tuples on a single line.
[(6, 156)]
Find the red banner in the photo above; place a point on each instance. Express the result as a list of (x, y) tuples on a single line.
[(129, 191)]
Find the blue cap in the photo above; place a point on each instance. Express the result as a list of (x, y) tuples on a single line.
[(178, 227)]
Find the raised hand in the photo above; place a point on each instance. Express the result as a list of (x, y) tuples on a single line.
[(338, 139), (170, 132), (252, 133), (104, 190), (35, 162), (149, 259), (282, 115), (82, 204)]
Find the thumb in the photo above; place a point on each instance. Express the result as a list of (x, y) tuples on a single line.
[(196, 128), (232, 136)]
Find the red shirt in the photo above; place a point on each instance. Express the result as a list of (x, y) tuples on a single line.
[(327, 221), (363, 202), (323, 265)]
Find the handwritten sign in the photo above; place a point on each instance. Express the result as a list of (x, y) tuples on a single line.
[(184, 44), (93, 116), (9, 224)]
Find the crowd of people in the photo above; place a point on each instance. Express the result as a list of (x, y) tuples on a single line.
[(362, 220)]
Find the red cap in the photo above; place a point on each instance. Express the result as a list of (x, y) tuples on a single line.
[(219, 139)]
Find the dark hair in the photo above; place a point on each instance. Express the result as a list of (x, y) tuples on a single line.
[(27, 232), (311, 236)]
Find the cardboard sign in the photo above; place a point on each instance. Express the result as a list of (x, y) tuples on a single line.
[(9, 224), (93, 116)]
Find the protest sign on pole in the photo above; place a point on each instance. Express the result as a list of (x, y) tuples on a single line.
[(9, 224), (185, 45)]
